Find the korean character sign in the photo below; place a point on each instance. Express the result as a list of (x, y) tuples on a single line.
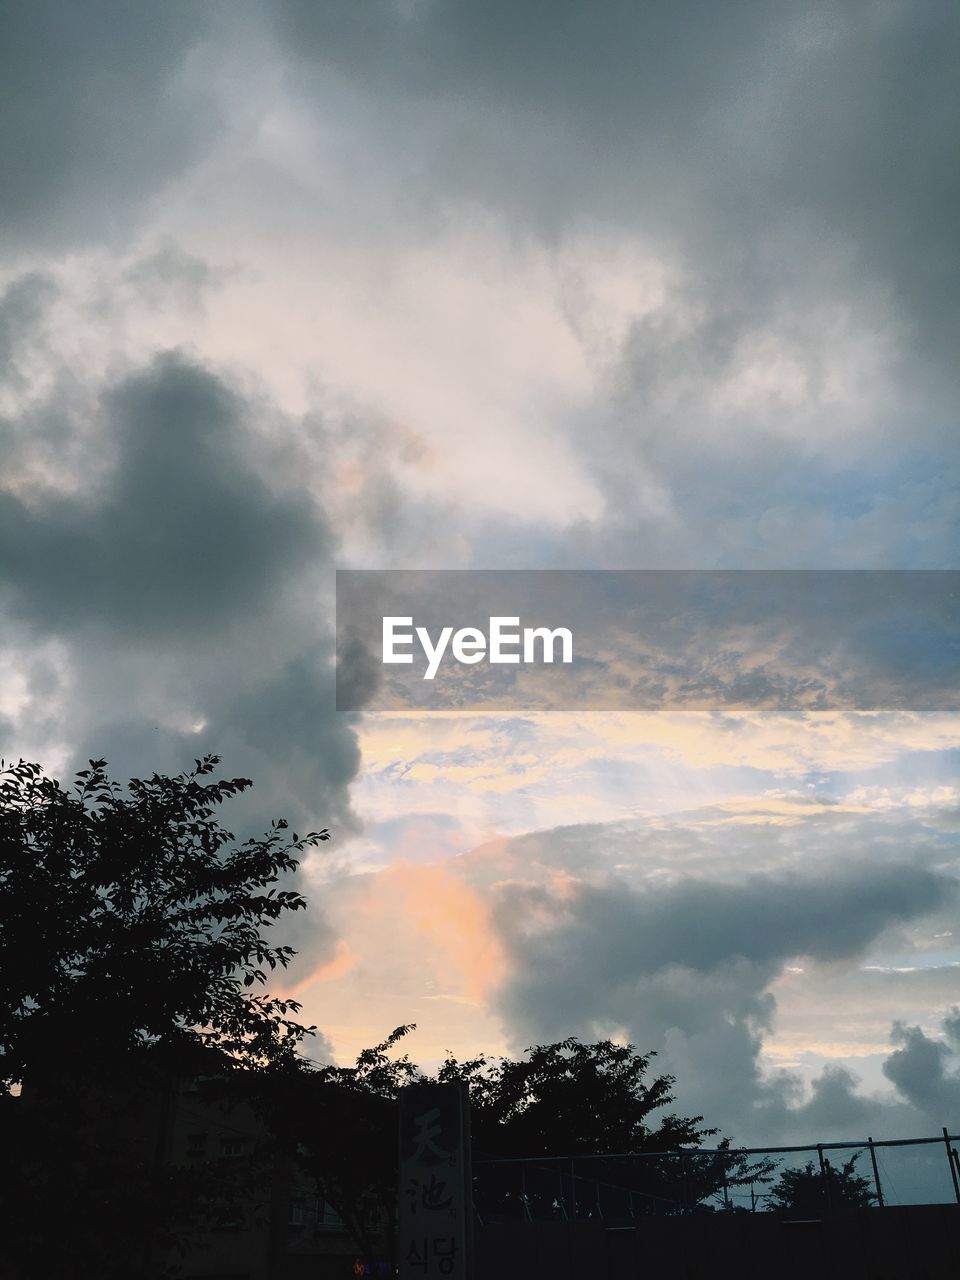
[(436, 1203)]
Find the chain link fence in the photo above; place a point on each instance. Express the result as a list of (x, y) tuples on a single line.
[(819, 1178)]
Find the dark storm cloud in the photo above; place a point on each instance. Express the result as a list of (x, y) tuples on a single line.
[(95, 112), (793, 162), (358, 671), (270, 719), (716, 125), (720, 842), (262, 697), (919, 1069), (684, 969), (172, 605), (601, 941), (182, 535), (303, 751), (923, 1071)]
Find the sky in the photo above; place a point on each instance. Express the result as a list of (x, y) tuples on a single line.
[(289, 287)]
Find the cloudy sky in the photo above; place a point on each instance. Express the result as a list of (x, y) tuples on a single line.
[(461, 284)]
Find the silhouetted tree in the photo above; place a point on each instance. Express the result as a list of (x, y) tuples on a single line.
[(132, 949), (575, 1099), (339, 1126), (572, 1098), (809, 1192), (562, 1099), (589, 1099)]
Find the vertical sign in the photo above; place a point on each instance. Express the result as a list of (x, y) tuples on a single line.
[(436, 1186)]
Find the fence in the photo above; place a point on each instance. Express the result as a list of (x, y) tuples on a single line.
[(622, 1188)]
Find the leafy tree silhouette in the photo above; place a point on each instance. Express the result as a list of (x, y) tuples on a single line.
[(571, 1098), (567, 1098), (810, 1193), (339, 1126), (132, 947)]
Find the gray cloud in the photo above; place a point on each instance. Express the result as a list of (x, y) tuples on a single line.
[(796, 120), (926, 1097), (99, 111), (184, 533), (601, 943), (22, 306), (794, 163), (920, 1072), (174, 603), (661, 937), (168, 273)]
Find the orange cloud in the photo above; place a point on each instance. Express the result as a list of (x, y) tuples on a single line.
[(341, 962), (455, 919)]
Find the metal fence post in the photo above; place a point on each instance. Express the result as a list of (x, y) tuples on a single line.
[(523, 1192), (825, 1172), (876, 1171), (951, 1158)]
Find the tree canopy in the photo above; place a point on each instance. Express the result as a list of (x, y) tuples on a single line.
[(809, 1192), (130, 917), (133, 953), (565, 1099), (572, 1098), (339, 1125)]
